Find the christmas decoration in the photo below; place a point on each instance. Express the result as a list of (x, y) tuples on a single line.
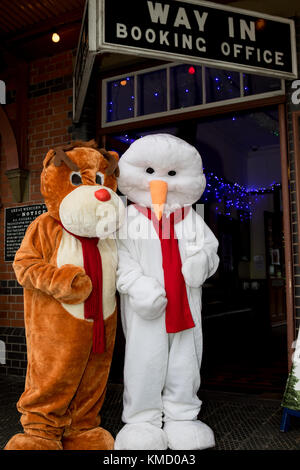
[(233, 195)]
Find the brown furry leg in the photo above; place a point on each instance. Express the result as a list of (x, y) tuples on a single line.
[(59, 347), (29, 442), (93, 439), (84, 432)]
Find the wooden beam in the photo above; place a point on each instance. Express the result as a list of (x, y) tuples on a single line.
[(296, 141), (287, 232), (198, 114)]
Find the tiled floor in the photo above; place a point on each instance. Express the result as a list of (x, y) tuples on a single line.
[(240, 422)]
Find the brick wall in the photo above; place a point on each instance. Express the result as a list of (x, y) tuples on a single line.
[(50, 124)]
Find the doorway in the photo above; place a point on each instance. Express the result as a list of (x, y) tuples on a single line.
[(244, 304)]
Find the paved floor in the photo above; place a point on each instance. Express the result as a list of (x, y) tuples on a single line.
[(240, 422)]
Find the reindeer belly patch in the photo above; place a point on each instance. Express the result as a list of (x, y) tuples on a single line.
[(70, 252)]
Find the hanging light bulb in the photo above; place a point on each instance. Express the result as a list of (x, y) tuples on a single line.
[(55, 37)]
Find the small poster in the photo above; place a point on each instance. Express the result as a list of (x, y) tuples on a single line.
[(291, 398), (17, 219)]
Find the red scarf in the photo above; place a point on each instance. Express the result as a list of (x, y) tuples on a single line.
[(178, 313), (93, 308)]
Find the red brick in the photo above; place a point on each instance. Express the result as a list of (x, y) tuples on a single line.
[(17, 323)]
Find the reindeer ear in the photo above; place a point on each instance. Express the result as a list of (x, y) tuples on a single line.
[(114, 154), (117, 158), (48, 158), (112, 158)]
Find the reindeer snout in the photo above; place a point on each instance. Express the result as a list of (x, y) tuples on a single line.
[(102, 195)]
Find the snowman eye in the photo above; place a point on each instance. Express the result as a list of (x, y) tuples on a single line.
[(75, 178), (172, 173), (150, 170)]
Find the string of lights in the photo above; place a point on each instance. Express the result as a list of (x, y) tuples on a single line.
[(234, 196)]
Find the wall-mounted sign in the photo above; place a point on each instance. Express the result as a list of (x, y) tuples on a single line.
[(200, 32), (17, 220)]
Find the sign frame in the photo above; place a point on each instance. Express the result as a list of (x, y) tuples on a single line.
[(103, 46)]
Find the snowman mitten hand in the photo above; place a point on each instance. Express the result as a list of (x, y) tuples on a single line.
[(147, 298), (195, 269)]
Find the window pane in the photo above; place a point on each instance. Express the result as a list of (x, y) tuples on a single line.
[(186, 86), (255, 84), (221, 85), (152, 92), (120, 99)]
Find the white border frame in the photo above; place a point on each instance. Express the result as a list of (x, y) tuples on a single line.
[(103, 46), (170, 112)]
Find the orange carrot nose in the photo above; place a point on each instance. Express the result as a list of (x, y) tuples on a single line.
[(158, 190)]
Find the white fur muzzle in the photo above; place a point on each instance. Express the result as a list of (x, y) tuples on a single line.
[(83, 214)]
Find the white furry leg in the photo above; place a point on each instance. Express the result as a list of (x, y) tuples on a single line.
[(141, 436), (189, 435)]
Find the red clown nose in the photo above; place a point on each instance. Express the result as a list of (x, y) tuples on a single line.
[(102, 195)]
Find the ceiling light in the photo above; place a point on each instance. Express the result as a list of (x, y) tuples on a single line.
[(55, 37)]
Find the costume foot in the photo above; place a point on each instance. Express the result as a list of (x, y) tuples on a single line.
[(141, 436), (93, 439), (29, 442), (189, 435)]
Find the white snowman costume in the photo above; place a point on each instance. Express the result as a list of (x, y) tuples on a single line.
[(162, 370)]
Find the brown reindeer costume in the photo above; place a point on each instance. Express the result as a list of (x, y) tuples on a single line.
[(69, 346)]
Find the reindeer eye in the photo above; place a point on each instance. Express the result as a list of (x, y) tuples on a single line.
[(172, 173), (150, 170), (99, 178), (75, 178)]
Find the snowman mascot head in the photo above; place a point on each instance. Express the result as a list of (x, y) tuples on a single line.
[(161, 171)]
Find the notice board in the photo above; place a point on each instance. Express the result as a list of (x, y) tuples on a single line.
[(17, 219)]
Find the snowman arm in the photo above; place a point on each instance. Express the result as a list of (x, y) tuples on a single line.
[(146, 295), (129, 269), (210, 247), (204, 262)]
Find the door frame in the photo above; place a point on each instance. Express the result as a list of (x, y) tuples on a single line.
[(296, 137), (285, 177)]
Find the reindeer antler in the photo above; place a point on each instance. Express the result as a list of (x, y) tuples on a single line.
[(61, 156)]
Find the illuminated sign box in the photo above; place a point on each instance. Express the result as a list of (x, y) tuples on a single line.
[(198, 32), (189, 31)]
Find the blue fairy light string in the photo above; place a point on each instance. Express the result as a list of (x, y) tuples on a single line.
[(234, 196)]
